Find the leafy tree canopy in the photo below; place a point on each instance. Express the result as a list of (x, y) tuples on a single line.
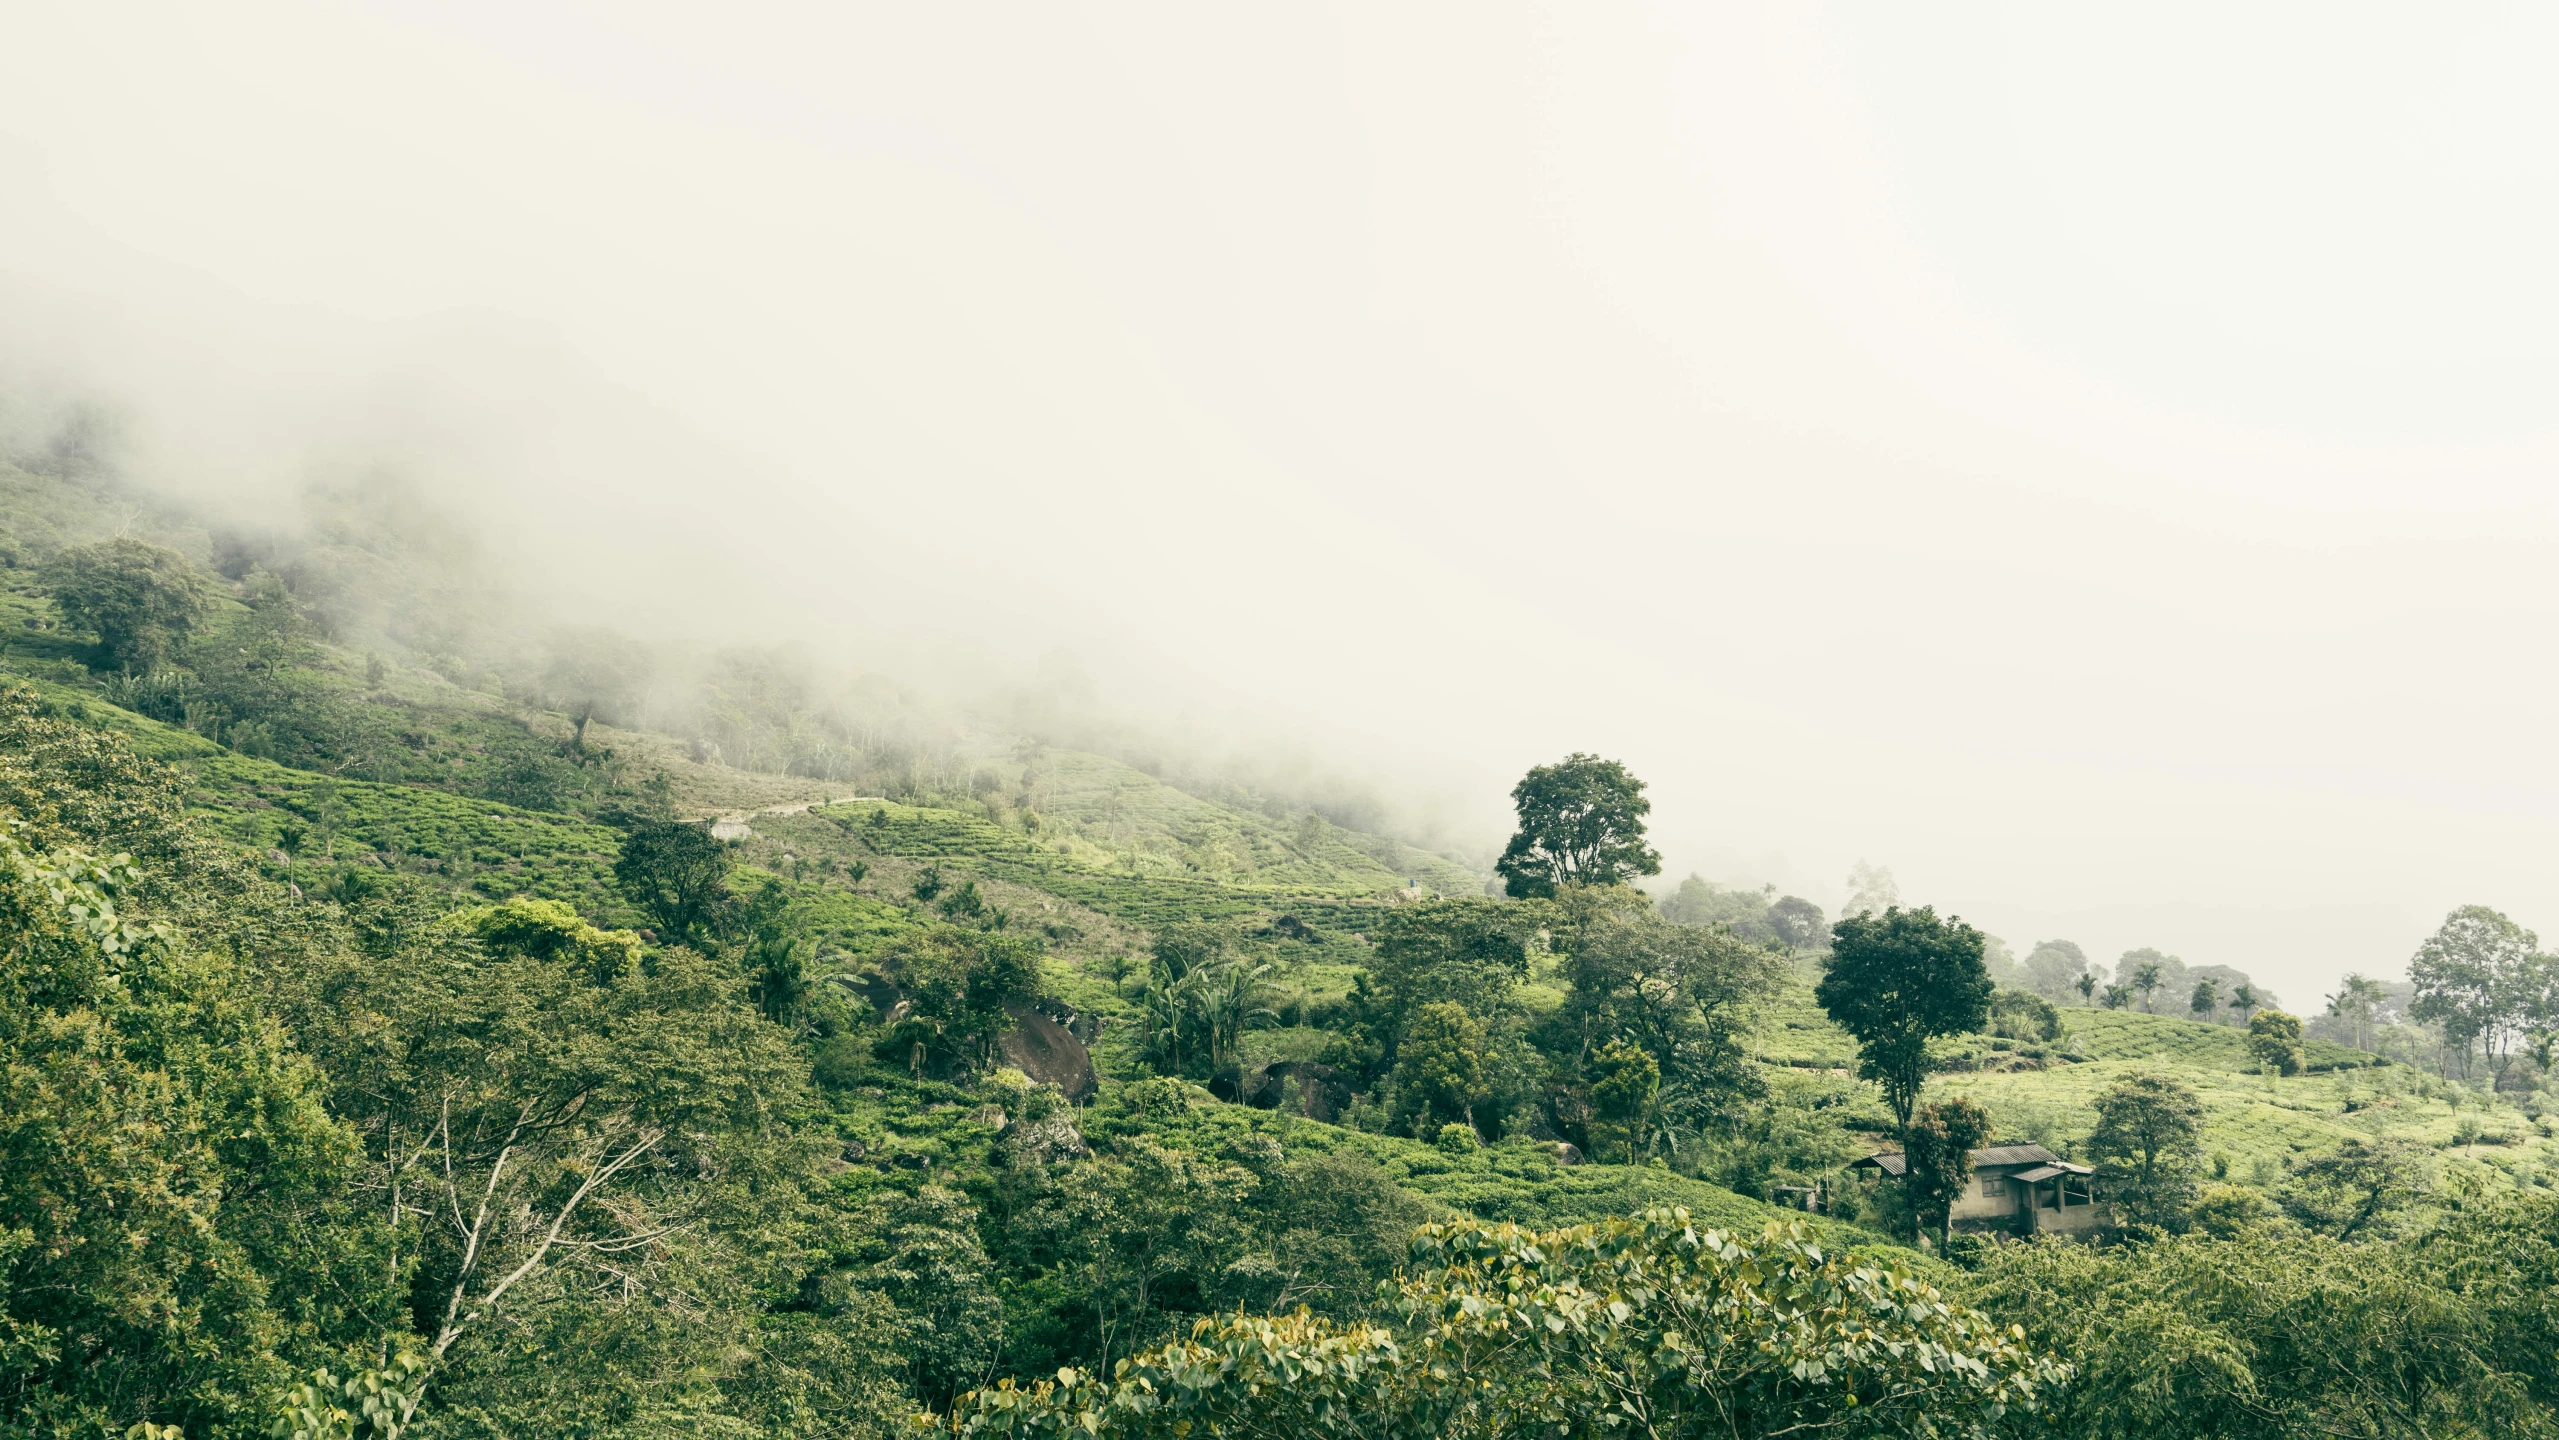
[(678, 874), (2147, 1144), (1581, 822), (1938, 1145), (141, 599), (1896, 981)]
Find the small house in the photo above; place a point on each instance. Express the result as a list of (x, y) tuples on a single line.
[(2025, 1189)]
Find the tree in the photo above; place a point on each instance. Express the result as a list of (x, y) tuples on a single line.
[(776, 958), (179, 1225), (1871, 890), (538, 1096), (2206, 999), (2273, 1336), (921, 1253), (2358, 1003), (2024, 1015), (2086, 984), (2116, 997), (2147, 977), (2275, 1039), (2146, 1145), (2243, 998), (1627, 1082), (2356, 1187), (1938, 1145), (1441, 1074), (1471, 952), (957, 984), (1797, 921), (1898, 980), (678, 874), (2474, 977), (1581, 822), (1230, 999), (141, 599), (1199, 1000), (1681, 994), (2054, 968)]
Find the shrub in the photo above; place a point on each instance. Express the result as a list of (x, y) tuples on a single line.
[(1501, 1331)]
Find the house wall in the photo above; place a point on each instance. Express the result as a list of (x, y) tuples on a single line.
[(1993, 1201)]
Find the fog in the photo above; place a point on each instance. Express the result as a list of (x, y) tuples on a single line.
[(2097, 465)]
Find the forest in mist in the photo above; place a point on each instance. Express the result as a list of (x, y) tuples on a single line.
[(419, 1018)]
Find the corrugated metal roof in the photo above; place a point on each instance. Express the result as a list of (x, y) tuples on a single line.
[(2013, 1155), (1892, 1162)]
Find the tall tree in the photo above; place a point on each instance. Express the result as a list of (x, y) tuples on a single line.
[(141, 599), (1581, 822), (1625, 1087), (541, 1097), (1871, 890), (2054, 968), (2147, 977), (2146, 1145), (1898, 980), (2243, 998), (1797, 921), (2359, 1003), (2206, 999), (2475, 977)]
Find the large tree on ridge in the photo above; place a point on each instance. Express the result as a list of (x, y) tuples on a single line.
[(1581, 822)]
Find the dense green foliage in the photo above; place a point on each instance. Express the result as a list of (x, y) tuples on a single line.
[(1650, 1324)]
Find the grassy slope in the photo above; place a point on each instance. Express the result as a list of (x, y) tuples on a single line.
[(1796, 1032), (2255, 1123), (1113, 816)]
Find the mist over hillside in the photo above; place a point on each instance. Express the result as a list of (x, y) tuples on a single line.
[(1673, 387), (821, 722)]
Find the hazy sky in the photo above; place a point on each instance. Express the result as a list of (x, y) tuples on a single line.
[(2097, 464)]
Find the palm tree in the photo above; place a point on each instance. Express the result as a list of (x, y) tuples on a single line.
[(2356, 1005), (2243, 998), (2206, 999), (1228, 1000), (2146, 980), (2087, 983)]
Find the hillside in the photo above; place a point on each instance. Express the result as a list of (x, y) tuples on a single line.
[(904, 1053)]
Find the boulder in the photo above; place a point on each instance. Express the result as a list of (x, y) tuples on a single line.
[(1323, 1092), (1037, 1045), (1567, 1153), (1048, 1052), (1237, 1086)]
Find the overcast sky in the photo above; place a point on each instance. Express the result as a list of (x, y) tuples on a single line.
[(2099, 465)]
